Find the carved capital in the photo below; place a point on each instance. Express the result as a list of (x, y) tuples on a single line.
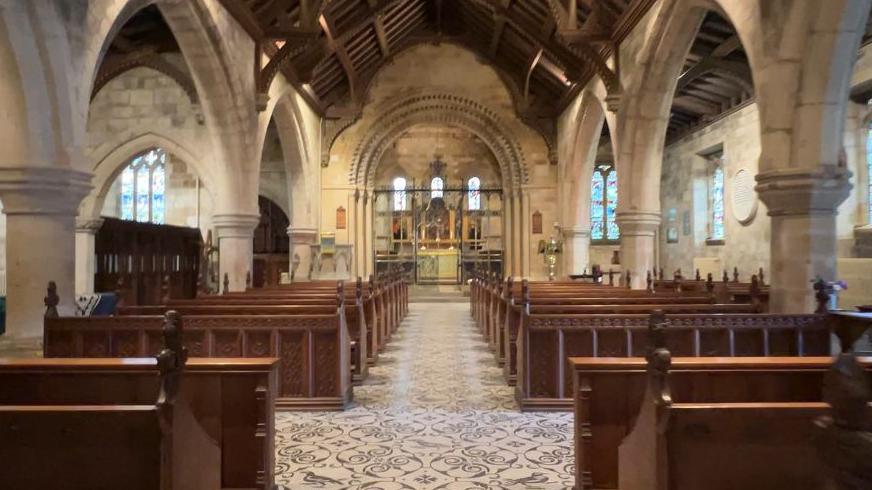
[(43, 190), (235, 225), (804, 191), (638, 223), (301, 235)]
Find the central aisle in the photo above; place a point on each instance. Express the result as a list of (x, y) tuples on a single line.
[(435, 413)]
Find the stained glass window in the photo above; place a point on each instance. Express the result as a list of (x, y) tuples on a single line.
[(604, 204), (436, 186), (716, 197), (142, 195), (399, 194), (474, 191), (869, 171)]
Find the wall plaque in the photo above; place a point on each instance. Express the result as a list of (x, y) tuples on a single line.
[(341, 219), (744, 197), (537, 223)]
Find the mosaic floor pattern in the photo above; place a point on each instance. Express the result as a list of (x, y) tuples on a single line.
[(435, 413)]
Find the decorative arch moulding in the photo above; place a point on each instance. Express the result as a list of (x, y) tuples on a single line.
[(445, 109)]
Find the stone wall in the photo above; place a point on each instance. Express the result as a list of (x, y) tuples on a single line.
[(684, 197)]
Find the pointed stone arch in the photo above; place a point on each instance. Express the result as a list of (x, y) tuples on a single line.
[(112, 163)]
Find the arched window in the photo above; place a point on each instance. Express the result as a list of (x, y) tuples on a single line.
[(399, 194), (474, 193), (604, 204), (436, 187), (716, 197), (143, 188)]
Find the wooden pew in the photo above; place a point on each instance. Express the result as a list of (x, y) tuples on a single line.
[(148, 446), (232, 399), (545, 341), (364, 341), (313, 349), (722, 417)]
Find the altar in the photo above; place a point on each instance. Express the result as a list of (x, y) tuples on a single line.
[(438, 266)]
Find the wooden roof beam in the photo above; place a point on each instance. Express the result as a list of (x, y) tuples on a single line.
[(531, 65), (379, 25), (499, 27), (338, 47)]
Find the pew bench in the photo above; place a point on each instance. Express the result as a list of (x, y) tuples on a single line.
[(313, 350), (610, 392), (230, 399), (546, 341)]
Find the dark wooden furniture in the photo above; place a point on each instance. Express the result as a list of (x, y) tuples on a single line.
[(608, 393), (142, 257), (545, 341), (231, 399), (271, 245), (78, 445), (313, 349)]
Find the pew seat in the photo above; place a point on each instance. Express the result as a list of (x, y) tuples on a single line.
[(231, 401), (609, 394)]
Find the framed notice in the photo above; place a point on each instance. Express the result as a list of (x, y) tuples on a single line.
[(537, 223), (341, 218), (672, 235)]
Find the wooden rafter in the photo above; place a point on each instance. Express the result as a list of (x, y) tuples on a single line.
[(338, 47), (379, 25)]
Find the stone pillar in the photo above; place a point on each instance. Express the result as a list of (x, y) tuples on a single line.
[(368, 245), (803, 205), (576, 250), (517, 230), (86, 266), (302, 238), (638, 231), (41, 205), (526, 233), (359, 265), (508, 246), (235, 235)]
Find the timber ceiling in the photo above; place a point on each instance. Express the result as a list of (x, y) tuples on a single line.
[(544, 49), (716, 78)]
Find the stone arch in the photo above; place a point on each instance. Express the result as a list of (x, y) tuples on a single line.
[(284, 108), (439, 109), (41, 127), (580, 158), (644, 111), (110, 165), (213, 54), (153, 62)]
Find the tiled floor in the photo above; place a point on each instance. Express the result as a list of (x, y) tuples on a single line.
[(435, 413)]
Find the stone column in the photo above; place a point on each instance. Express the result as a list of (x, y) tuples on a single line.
[(803, 205), (359, 265), (517, 232), (576, 254), (508, 246), (41, 205), (526, 233), (302, 238), (368, 245), (235, 235), (637, 244), (86, 266)]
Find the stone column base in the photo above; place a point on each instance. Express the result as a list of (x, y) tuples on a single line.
[(638, 231), (301, 237), (235, 235)]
